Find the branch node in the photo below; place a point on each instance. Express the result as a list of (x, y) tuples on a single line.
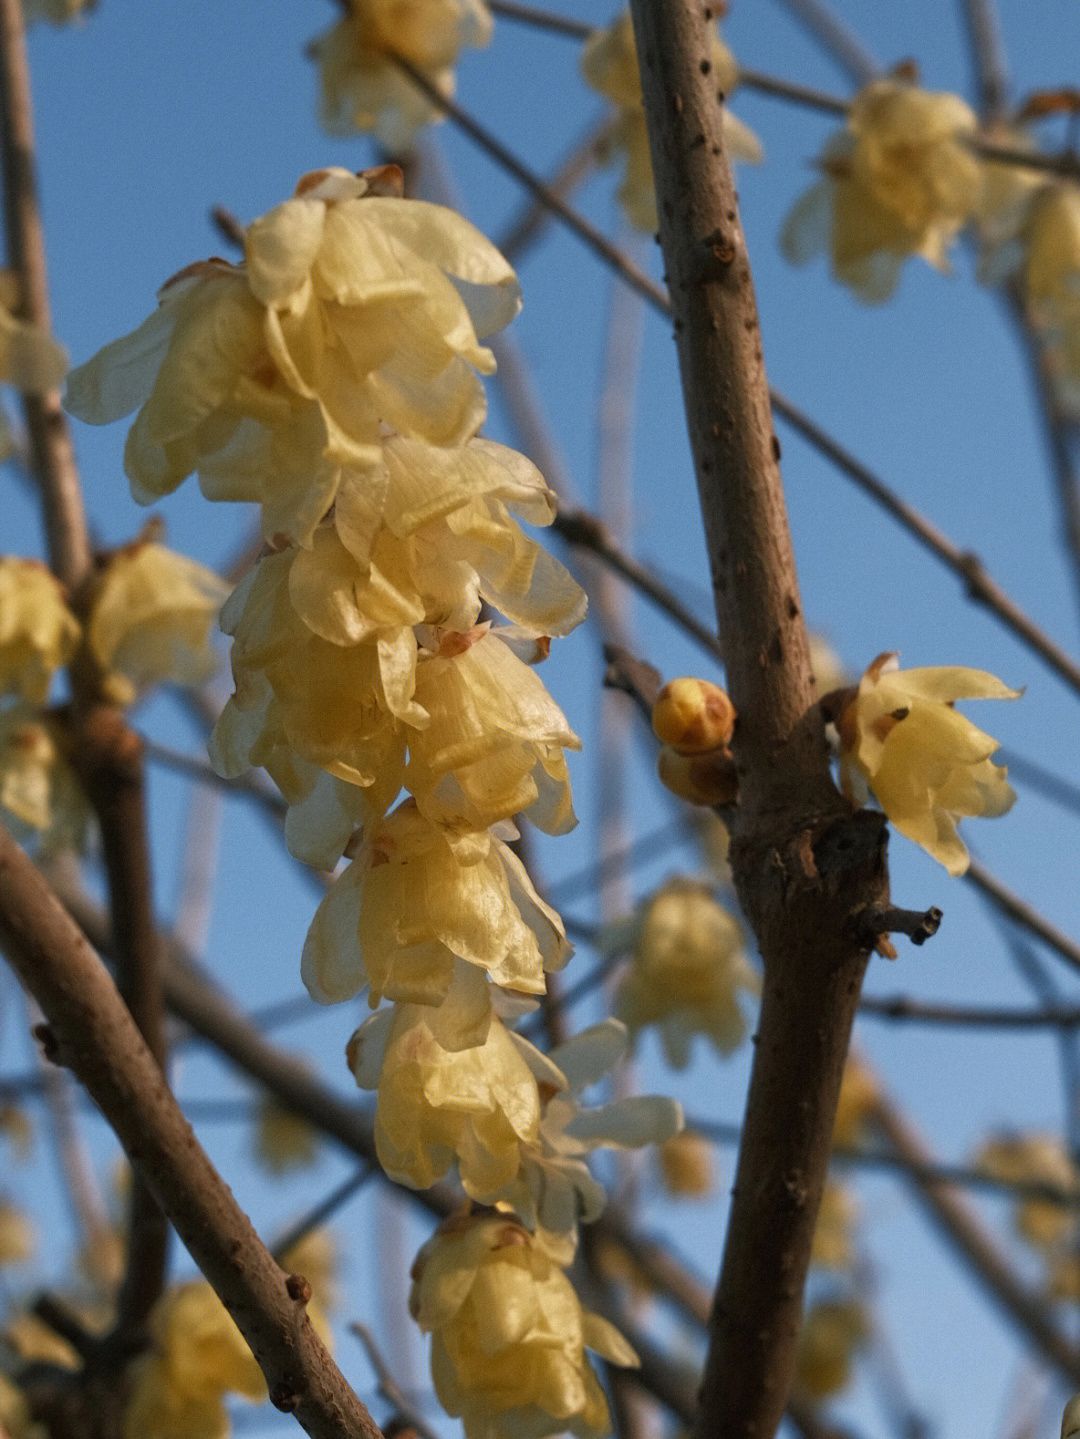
[(283, 1396), (298, 1288), (50, 1045), (875, 923)]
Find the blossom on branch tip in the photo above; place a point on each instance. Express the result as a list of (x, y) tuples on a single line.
[(151, 616), (609, 64), (418, 901), (509, 1334), (38, 633), (686, 971), (927, 766), (362, 86), (354, 314), (41, 797), (899, 180)]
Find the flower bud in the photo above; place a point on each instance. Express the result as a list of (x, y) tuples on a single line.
[(699, 779), (693, 716)]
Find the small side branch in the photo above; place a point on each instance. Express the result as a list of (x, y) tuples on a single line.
[(875, 924)]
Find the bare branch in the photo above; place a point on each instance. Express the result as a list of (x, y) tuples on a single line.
[(835, 38), (988, 55), (1008, 902), (97, 1038)]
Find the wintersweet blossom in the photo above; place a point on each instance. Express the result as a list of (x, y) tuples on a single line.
[(363, 88), (38, 633), (509, 1334), (420, 899), (282, 1140), (197, 1356), (1045, 1224), (609, 64), (833, 1331), (687, 1164), (898, 181), (355, 313), (554, 1189), (926, 765), (477, 1106), (42, 800), (150, 620), (30, 359), (859, 1090), (686, 971), (1051, 279)]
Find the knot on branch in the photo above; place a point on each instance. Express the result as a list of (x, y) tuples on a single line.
[(873, 925), (298, 1288)]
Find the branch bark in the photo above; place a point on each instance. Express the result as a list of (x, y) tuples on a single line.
[(95, 1036), (802, 863)]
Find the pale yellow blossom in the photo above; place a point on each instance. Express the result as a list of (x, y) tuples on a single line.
[(686, 972), (30, 1339), (898, 181), (687, 1165), (42, 799), (362, 87), (1009, 193), (283, 1141), (151, 618), (609, 65), (417, 901), (1045, 1224), (38, 633), (355, 314), (833, 1331), (833, 1244), (826, 665), (30, 359), (926, 765), (509, 1334), (1051, 280)]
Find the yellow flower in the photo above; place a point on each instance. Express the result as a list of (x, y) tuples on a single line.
[(1035, 1159), (283, 1141), (554, 1189), (151, 618), (355, 313), (197, 1357), (493, 745), (826, 665), (38, 789), (1009, 193), (15, 1417), (858, 1092), (419, 900), (686, 972), (688, 1165), (38, 633), (926, 765), (693, 716), (609, 65), (832, 1247), (1051, 278), (509, 1334), (17, 1237), (363, 89), (57, 12), (30, 359), (437, 1105), (833, 1331), (898, 181)]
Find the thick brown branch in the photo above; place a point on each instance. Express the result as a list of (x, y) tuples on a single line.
[(53, 459), (96, 1037), (803, 865)]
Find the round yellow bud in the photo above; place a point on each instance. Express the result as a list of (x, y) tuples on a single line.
[(699, 779), (687, 1165), (693, 716)]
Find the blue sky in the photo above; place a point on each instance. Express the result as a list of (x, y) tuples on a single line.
[(149, 114)]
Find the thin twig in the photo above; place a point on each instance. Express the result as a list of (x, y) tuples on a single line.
[(1025, 914), (838, 41), (798, 94), (901, 1007), (389, 1388), (569, 175), (988, 56), (541, 19), (321, 1212), (93, 1034), (53, 459)]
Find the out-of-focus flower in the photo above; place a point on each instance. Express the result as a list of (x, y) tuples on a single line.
[(693, 716), (417, 902), (15, 1418), (858, 1091), (833, 1246), (43, 800), (926, 765), (30, 359), (1035, 1159), (898, 181), (38, 633), (17, 1129), (355, 314), (1051, 277), (509, 1334), (688, 1165), (30, 1339), (362, 87), (283, 1141), (609, 65), (1070, 1419), (17, 1237), (197, 1356), (316, 1257), (476, 1105), (57, 12), (686, 972), (1005, 206), (832, 1333), (826, 665), (150, 620), (554, 1189)]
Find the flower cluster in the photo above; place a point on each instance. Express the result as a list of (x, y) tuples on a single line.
[(1047, 1224), (609, 64), (333, 378), (926, 765), (363, 86)]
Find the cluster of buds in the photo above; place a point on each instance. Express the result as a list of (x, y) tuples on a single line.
[(333, 377)]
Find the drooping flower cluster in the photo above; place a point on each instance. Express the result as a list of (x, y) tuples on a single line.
[(363, 88), (609, 64), (899, 180), (927, 766), (333, 378)]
